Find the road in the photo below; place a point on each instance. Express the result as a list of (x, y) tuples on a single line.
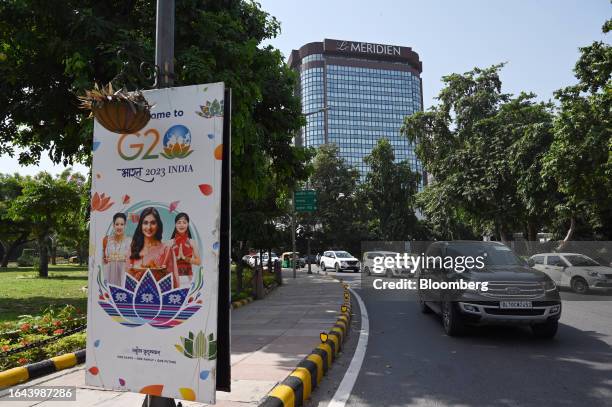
[(411, 362)]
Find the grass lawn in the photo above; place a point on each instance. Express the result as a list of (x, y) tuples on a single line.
[(23, 292)]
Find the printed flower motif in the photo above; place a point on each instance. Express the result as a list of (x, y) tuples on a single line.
[(174, 299), (5, 348), (173, 206), (176, 150), (126, 199), (198, 346), (100, 202), (22, 361), (148, 301), (58, 332), (25, 327), (213, 109), (147, 298)]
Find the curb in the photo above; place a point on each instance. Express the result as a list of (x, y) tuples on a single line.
[(242, 303), (245, 301), (295, 390), (22, 374)]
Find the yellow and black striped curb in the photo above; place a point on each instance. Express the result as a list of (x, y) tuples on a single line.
[(242, 303), (297, 387), (22, 374)]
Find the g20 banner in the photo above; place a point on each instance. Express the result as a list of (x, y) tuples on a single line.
[(154, 249)]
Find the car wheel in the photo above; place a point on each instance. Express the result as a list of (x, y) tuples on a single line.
[(424, 307), (337, 267), (451, 319), (579, 285), (323, 266), (547, 330)]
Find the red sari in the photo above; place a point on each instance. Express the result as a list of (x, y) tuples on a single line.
[(183, 252)]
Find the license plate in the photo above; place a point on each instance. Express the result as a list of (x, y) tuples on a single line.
[(515, 304)]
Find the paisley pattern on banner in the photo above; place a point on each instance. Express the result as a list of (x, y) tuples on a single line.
[(154, 247)]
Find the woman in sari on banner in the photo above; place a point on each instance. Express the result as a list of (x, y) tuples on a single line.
[(184, 249), (148, 252), (116, 251)]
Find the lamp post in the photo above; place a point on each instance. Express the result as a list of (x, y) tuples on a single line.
[(308, 232), (164, 59)]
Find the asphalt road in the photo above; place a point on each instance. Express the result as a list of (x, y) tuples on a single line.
[(410, 361)]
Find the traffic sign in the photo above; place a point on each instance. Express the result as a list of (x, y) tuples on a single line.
[(305, 200)]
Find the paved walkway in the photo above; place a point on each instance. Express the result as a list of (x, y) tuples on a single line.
[(269, 337)]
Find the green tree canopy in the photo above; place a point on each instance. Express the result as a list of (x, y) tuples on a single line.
[(389, 190), (13, 233), (45, 204), (483, 148), (580, 156), (60, 49)]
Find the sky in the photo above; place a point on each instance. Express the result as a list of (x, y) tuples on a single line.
[(538, 39)]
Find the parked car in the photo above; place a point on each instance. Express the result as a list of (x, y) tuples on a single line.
[(255, 259), (574, 270), (368, 266), (312, 259), (516, 293), (339, 260)]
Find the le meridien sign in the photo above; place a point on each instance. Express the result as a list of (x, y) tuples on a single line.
[(368, 48)]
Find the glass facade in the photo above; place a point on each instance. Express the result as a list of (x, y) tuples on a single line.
[(363, 105)]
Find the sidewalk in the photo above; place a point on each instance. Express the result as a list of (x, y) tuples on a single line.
[(269, 337)]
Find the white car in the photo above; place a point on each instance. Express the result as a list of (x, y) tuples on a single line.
[(573, 270), (254, 259), (339, 260), (371, 266)]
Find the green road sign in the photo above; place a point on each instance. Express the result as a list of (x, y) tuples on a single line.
[(305, 200)]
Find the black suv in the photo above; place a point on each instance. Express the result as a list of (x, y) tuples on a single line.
[(515, 294)]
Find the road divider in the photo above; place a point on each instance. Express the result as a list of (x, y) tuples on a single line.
[(297, 387)]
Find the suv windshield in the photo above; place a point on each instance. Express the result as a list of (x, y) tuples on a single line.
[(581, 261), (343, 255), (494, 255)]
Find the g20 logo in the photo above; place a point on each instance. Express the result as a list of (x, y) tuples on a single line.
[(176, 144)]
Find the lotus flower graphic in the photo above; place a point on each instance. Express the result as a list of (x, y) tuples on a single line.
[(148, 301)]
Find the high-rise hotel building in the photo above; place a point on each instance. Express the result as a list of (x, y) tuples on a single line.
[(354, 93)]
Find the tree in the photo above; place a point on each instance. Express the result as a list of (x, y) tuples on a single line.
[(580, 156), (484, 149), (339, 218), (44, 204), (14, 233), (73, 231), (60, 49), (389, 190)]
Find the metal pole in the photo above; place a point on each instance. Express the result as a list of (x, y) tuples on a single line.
[(308, 245), (164, 42), (164, 59), (293, 238)]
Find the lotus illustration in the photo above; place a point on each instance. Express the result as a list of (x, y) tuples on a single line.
[(100, 202), (213, 109), (148, 301), (198, 346), (177, 142), (177, 151)]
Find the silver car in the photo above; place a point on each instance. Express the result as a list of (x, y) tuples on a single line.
[(574, 270)]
